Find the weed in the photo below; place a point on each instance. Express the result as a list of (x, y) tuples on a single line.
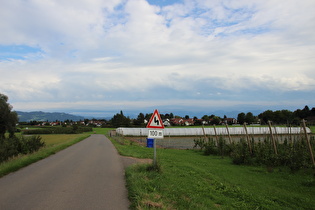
[(154, 167)]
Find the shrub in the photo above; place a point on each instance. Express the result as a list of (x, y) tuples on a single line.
[(200, 142), (58, 130), (10, 147), (210, 147), (240, 153), (294, 155)]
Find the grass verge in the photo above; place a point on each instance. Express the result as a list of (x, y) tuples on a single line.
[(54, 143), (189, 180)]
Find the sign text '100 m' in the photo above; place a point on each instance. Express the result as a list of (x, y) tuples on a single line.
[(155, 134)]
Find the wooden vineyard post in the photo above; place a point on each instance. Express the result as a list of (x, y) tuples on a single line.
[(248, 140), (140, 136), (216, 136), (227, 129), (169, 139), (272, 138), (276, 134), (308, 142), (290, 135), (204, 133)]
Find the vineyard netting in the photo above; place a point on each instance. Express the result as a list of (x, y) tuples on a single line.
[(212, 131)]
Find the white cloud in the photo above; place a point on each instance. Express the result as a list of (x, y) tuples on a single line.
[(111, 51)]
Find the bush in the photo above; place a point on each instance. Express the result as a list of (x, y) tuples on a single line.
[(75, 129), (240, 153), (210, 147), (200, 142), (294, 156), (10, 147)]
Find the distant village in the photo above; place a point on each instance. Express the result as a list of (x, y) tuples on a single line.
[(167, 122), (280, 117)]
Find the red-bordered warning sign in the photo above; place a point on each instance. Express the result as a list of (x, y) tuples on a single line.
[(155, 121)]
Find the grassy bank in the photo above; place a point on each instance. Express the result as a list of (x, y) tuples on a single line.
[(54, 143), (190, 180)]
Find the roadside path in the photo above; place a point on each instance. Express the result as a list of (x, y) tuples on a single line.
[(87, 175)]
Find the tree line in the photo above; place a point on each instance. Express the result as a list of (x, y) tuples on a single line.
[(283, 117)]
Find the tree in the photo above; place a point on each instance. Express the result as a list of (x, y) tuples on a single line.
[(215, 120), (186, 117), (249, 118), (120, 120), (305, 112), (205, 117), (140, 120), (266, 116), (8, 118), (287, 116), (167, 116), (241, 118)]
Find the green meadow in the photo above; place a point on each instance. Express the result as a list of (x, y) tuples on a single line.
[(187, 179)]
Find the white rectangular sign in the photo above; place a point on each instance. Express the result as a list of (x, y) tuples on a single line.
[(156, 134)]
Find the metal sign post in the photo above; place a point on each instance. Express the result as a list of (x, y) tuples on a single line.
[(157, 124)]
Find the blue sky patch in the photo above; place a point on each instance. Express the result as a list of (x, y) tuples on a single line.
[(17, 52), (163, 3)]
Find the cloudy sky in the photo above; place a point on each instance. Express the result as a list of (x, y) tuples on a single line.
[(102, 56)]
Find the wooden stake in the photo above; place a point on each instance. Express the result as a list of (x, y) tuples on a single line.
[(308, 142), (290, 135), (204, 133), (272, 138), (248, 140), (276, 134), (216, 136), (227, 129)]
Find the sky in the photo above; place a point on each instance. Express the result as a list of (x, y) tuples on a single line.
[(97, 57)]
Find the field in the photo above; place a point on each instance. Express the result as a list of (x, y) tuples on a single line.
[(57, 139), (186, 179), (54, 143)]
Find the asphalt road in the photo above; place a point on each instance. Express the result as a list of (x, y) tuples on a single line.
[(87, 175)]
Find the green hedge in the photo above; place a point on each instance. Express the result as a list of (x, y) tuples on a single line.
[(58, 130), (10, 147)]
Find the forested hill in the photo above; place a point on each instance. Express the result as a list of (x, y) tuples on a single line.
[(46, 116)]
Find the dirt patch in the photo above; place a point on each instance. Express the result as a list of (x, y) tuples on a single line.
[(127, 161)]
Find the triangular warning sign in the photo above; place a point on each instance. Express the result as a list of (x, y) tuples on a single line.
[(155, 121)]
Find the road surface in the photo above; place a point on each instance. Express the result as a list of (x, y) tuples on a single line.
[(87, 175)]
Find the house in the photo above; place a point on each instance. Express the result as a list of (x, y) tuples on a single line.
[(182, 121), (229, 121), (54, 123), (167, 123), (189, 121), (177, 121)]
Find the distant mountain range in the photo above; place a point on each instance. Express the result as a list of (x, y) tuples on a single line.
[(47, 116), (62, 116)]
